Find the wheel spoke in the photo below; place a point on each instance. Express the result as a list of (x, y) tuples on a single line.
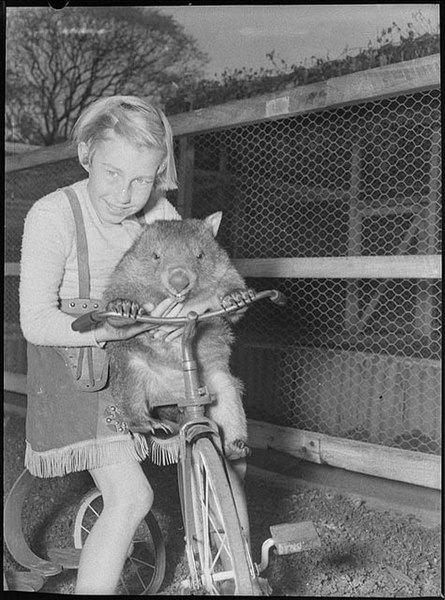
[(142, 582), (142, 562), (206, 522), (94, 511)]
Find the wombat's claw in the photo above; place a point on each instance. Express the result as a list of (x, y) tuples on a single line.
[(151, 425), (125, 308), (237, 449), (238, 297)]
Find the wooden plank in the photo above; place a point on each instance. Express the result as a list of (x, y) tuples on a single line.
[(344, 267), (14, 382), (363, 86), (406, 466), (434, 199), (341, 267), (14, 409), (391, 463), (185, 176), (299, 443), (12, 269), (45, 155)]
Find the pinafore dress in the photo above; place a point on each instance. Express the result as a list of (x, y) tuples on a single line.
[(71, 422)]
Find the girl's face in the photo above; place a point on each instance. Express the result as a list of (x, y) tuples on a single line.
[(121, 176)]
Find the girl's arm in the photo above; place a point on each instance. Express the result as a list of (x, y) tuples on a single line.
[(48, 236)]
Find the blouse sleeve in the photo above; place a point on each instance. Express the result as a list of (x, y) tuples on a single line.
[(47, 239)]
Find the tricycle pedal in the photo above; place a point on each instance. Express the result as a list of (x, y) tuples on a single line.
[(25, 581), (289, 538), (67, 558)]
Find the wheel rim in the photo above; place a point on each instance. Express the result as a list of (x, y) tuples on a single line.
[(220, 547), (144, 568)]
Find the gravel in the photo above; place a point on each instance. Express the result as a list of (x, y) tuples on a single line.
[(364, 552)]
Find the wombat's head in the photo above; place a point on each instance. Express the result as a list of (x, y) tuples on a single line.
[(180, 259)]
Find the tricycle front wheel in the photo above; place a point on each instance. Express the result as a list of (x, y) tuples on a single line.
[(216, 540)]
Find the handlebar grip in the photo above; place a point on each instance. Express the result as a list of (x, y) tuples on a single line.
[(84, 322), (278, 298)]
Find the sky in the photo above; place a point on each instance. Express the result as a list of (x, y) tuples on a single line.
[(236, 36)]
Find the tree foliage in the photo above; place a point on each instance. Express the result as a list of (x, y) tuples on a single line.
[(392, 46), (58, 62)]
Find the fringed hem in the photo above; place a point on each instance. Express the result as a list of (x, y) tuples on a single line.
[(91, 454)]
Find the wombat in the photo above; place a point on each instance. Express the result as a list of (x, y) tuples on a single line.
[(182, 260)]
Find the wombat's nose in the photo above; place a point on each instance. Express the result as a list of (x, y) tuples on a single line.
[(179, 279)]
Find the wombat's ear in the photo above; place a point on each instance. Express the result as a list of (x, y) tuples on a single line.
[(213, 221)]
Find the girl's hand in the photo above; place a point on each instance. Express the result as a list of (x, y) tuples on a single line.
[(167, 308)]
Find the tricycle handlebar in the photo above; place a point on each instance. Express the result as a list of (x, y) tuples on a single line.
[(86, 321)]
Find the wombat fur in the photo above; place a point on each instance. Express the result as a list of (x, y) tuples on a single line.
[(179, 259)]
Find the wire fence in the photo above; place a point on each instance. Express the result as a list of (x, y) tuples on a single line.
[(354, 358), (360, 358)]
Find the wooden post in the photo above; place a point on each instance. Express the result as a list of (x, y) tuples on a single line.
[(427, 236), (185, 175), (432, 224), (354, 241)]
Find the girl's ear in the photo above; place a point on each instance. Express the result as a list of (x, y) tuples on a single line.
[(83, 153)]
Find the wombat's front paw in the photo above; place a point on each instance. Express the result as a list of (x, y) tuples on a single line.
[(237, 449), (239, 298), (124, 308)]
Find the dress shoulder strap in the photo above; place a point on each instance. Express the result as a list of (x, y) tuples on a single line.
[(82, 244)]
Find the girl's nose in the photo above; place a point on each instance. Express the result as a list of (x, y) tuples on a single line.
[(125, 195)]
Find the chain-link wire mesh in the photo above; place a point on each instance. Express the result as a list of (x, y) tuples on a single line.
[(352, 358), (356, 358)]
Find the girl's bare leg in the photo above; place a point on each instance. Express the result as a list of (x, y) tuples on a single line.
[(127, 497)]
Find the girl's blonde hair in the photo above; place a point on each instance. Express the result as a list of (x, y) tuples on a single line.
[(138, 122)]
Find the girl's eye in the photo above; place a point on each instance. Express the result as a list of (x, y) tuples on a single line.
[(112, 174), (142, 181)]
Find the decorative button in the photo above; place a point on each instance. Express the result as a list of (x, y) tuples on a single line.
[(113, 419)]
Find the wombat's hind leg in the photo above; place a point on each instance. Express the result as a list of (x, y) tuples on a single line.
[(228, 412)]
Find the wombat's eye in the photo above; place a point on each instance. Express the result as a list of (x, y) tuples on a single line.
[(200, 255), (156, 256)]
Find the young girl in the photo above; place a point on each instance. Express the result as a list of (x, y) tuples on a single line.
[(73, 239)]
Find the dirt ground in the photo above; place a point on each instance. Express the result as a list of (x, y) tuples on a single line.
[(364, 552)]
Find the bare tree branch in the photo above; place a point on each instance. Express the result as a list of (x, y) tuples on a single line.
[(58, 62)]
